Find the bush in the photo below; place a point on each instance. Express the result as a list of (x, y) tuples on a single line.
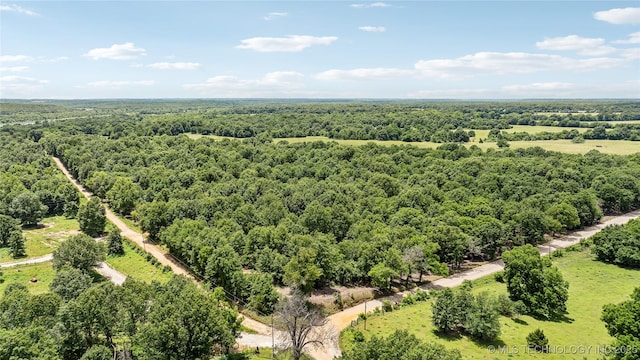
[(499, 276), (408, 300), (538, 341), (386, 306), (505, 305), (358, 336), (421, 295)]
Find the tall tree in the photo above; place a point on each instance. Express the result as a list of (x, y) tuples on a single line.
[(184, 322), (91, 217), (534, 281), (301, 272), (114, 243), (27, 208), (123, 195), (304, 326), (11, 236), (80, 252), (622, 322)]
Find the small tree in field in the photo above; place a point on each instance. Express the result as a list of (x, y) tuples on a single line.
[(537, 340)]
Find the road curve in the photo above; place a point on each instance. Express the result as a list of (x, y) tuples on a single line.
[(157, 252), (341, 320), (35, 260), (344, 318)]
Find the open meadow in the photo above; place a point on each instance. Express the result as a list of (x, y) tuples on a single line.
[(592, 284), (617, 147)]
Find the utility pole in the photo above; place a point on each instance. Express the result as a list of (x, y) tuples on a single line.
[(365, 314)]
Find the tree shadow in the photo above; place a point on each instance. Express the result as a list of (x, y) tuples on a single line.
[(560, 318), (519, 321), (485, 343), (447, 336), (34, 226), (96, 277)]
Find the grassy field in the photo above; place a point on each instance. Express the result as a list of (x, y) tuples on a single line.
[(136, 266), (592, 285), (619, 147), (44, 240), (483, 134), (23, 274)]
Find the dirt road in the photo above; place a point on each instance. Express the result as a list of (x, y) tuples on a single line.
[(35, 260), (344, 318), (162, 256)]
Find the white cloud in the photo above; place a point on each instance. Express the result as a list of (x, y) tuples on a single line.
[(175, 66), (275, 15), (291, 43), (571, 42), (108, 84), (124, 51), (546, 86), (584, 46), (272, 84), (634, 38), (372, 28), (56, 59), (628, 15), (18, 9), (364, 74), (483, 63), (558, 90), (370, 5), (15, 58), (13, 68), (20, 85)]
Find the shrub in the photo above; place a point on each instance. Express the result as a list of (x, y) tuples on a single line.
[(386, 306), (505, 305), (538, 341), (499, 276)]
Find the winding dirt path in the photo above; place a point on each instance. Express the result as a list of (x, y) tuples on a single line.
[(341, 320), (157, 252), (344, 318), (103, 269)]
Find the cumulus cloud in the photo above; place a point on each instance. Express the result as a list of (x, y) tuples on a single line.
[(583, 46), (498, 63), (15, 58), (13, 68), (628, 15), (544, 86), (270, 85), (126, 51), (18, 9), (571, 42), (275, 15), (291, 43), (634, 38), (21, 85), (175, 66), (372, 28), (364, 74), (109, 84), (370, 5)]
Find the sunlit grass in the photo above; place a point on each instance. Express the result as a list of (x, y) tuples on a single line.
[(592, 285), (42, 272), (45, 238), (136, 266)]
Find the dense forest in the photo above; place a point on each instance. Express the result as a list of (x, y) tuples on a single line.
[(246, 214), (250, 214)]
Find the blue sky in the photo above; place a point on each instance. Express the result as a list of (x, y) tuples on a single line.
[(311, 49)]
